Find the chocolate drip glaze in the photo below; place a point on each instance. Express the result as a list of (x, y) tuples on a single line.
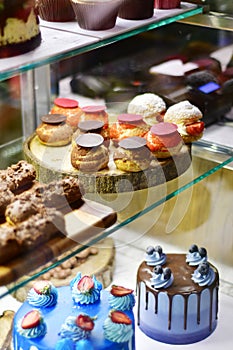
[(182, 285)]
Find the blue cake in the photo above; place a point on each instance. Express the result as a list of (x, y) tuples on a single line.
[(81, 316), (177, 295)]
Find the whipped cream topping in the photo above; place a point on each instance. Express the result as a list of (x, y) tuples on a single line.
[(33, 332), (204, 275), (123, 303), (194, 259), (43, 300), (196, 256), (117, 332), (155, 256), (71, 330), (88, 296), (162, 278)]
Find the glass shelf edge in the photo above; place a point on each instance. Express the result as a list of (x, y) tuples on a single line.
[(213, 20), (102, 42)]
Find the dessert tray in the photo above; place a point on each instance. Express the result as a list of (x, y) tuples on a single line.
[(83, 222), (51, 162)]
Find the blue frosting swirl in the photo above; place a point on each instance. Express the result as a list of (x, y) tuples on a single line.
[(35, 332), (117, 332), (203, 280), (89, 297), (123, 303), (42, 300), (72, 331), (194, 258), (155, 259), (158, 281)]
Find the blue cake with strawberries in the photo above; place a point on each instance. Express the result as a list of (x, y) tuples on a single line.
[(81, 316)]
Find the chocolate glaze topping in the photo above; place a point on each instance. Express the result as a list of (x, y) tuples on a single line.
[(133, 142), (89, 140), (90, 125), (53, 118), (182, 285)]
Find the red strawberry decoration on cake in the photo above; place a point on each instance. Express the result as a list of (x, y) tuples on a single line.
[(119, 291), (120, 317), (85, 284), (31, 319), (85, 322), (42, 287)]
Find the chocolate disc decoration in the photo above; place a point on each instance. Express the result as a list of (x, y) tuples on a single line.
[(53, 118), (89, 140), (133, 142), (90, 125), (162, 129), (128, 118)]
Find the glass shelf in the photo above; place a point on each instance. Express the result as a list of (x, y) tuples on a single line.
[(155, 198), (67, 40)]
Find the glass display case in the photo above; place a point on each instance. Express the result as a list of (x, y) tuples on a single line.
[(111, 67)]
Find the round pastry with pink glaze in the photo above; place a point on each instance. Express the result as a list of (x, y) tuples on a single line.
[(68, 107), (163, 140), (127, 125)]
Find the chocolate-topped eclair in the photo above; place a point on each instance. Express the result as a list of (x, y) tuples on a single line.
[(29, 234), (19, 175), (6, 196)]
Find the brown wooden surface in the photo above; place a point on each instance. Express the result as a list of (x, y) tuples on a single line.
[(82, 225), (52, 162), (100, 264)]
